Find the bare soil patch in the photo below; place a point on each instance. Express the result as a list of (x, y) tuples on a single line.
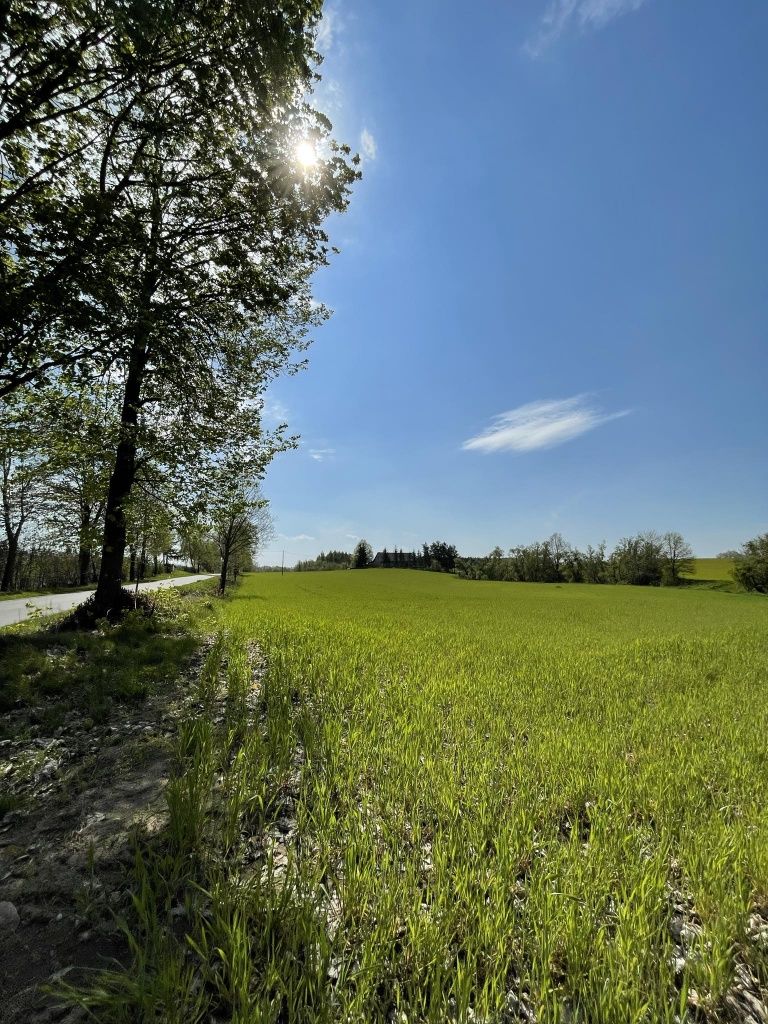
[(87, 792)]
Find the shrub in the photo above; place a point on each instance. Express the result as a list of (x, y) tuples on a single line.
[(751, 569), (85, 616)]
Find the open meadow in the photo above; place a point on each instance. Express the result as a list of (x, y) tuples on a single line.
[(509, 801), (714, 569), (392, 691)]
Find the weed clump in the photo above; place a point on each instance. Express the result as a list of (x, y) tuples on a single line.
[(87, 615)]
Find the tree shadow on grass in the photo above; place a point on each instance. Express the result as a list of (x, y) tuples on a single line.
[(45, 673)]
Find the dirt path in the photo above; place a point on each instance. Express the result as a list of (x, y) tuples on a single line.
[(64, 862)]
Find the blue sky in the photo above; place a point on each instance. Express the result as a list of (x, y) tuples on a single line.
[(551, 303)]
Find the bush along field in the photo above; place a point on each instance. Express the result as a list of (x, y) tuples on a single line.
[(405, 797)]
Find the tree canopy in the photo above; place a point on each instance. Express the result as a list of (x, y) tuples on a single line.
[(158, 229)]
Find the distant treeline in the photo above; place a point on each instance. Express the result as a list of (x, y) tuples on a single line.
[(645, 560), (325, 561), (436, 557), (648, 559), (45, 567)]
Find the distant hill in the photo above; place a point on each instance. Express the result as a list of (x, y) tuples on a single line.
[(713, 569)]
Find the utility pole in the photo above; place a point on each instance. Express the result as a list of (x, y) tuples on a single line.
[(282, 564)]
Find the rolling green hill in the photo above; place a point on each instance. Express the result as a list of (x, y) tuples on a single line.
[(713, 569)]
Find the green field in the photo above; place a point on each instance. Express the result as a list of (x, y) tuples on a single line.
[(521, 792), (457, 801), (712, 569)]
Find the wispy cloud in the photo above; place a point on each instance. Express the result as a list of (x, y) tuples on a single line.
[(560, 15), (368, 145), (321, 454), (352, 536), (326, 30), (540, 425), (273, 411), (296, 536)]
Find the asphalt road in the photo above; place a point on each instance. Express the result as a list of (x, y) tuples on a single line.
[(19, 608)]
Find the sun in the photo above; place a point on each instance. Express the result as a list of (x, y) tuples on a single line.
[(306, 154)]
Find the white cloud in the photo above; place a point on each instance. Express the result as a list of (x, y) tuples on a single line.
[(326, 30), (297, 536), (321, 454), (351, 536), (540, 425), (600, 12), (587, 14), (368, 145), (273, 411)]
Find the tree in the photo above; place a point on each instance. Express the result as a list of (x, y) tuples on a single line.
[(594, 565), (440, 556), (363, 555), (678, 558), (197, 546), (238, 514), (638, 560), (157, 222), (385, 559), (210, 293), (559, 549), (20, 490), (149, 521), (751, 568), (325, 562), (21, 484), (77, 430), (91, 89), (241, 525)]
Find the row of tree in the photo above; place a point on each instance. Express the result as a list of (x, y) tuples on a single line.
[(55, 463), (436, 557), (326, 561), (158, 236), (647, 559)]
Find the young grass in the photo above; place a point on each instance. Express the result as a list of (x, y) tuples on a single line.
[(469, 802), (713, 569)]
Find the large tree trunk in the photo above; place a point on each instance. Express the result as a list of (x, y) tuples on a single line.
[(120, 484), (10, 563), (84, 565), (124, 471), (84, 551), (224, 570)]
